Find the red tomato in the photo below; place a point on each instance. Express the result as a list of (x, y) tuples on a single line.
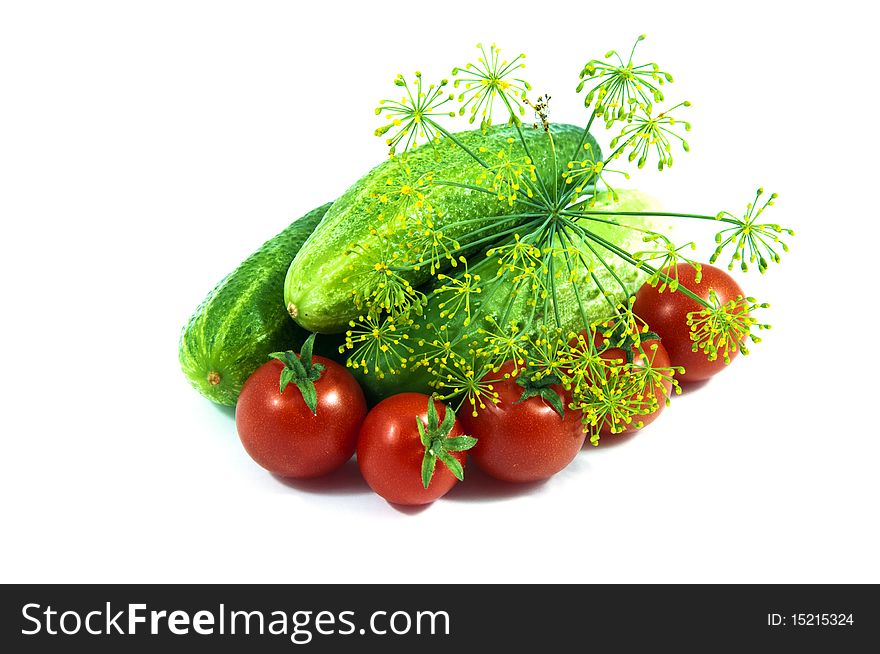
[(523, 442), (282, 434), (650, 354), (390, 450), (667, 312)]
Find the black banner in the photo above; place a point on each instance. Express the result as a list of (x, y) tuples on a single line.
[(429, 618)]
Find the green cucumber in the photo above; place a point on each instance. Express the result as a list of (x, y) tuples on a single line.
[(243, 319), (497, 303), (340, 259)]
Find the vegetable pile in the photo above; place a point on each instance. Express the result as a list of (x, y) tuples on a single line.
[(493, 292)]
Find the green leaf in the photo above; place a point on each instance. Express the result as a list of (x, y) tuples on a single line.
[(310, 395), (433, 420), (287, 376), (298, 368), (452, 463), (553, 399), (422, 433), (459, 443), (527, 382), (448, 422), (283, 357), (527, 393), (548, 395), (428, 463), (305, 353)]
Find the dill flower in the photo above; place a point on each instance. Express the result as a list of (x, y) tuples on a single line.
[(489, 79), (411, 118)]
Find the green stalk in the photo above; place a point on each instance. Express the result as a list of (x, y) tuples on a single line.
[(623, 254)]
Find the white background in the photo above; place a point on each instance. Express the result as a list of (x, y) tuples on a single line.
[(146, 148)]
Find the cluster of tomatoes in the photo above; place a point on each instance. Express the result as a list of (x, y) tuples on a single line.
[(410, 451)]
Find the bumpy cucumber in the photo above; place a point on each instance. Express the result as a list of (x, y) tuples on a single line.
[(342, 254), (497, 303), (243, 319)]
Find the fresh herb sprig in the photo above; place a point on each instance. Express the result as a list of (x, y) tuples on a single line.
[(551, 237)]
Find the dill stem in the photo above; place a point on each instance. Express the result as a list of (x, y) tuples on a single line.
[(596, 281), (473, 187), (577, 295), (522, 139), (626, 256), (583, 136), (450, 136), (552, 278), (555, 169), (601, 259), (499, 219), (527, 238), (607, 266), (658, 214), (492, 237)]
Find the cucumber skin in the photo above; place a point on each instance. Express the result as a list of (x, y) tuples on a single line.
[(416, 378), (243, 318), (315, 283)]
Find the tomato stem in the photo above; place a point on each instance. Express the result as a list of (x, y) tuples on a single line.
[(302, 372), (438, 443)]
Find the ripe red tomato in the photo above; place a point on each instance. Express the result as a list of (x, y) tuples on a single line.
[(391, 452), (667, 312), (282, 434), (524, 441), (651, 354)]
